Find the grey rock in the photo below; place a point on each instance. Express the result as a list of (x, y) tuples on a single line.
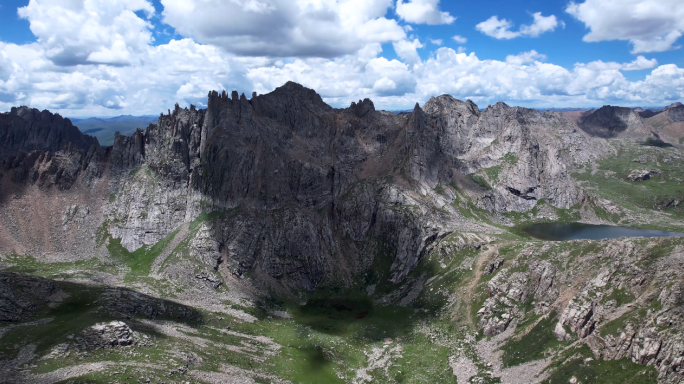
[(114, 334), (641, 174)]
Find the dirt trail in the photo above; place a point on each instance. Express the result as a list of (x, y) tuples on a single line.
[(180, 236), (477, 270)]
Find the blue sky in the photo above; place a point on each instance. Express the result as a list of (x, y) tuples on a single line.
[(140, 56)]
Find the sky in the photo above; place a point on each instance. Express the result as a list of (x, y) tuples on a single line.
[(85, 58)]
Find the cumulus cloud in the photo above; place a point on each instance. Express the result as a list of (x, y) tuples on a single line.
[(423, 12), (90, 32), (501, 28), (524, 79), (284, 28), (460, 39), (640, 63), (341, 80), (407, 50), (649, 25), (540, 25), (125, 75), (181, 71), (521, 79), (525, 58), (436, 41)]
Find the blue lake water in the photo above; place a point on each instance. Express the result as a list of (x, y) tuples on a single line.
[(579, 231)]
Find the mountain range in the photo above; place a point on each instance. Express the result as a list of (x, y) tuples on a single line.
[(278, 239)]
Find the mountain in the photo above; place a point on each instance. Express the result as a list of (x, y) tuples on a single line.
[(25, 129), (278, 239), (609, 122), (104, 129)]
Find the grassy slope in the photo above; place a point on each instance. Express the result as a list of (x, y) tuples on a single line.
[(608, 179)]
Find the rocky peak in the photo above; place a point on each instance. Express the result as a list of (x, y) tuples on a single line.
[(448, 103), (609, 121), (675, 112), (500, 105), (362, 108), (27, 129), (674, 105), (293, 92)]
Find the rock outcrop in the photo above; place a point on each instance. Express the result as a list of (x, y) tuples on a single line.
[(641, 174), (610, 122), (617, 299), (114, 334)]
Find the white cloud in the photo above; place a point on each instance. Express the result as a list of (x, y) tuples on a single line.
[(284, 28), (639, 63), (436, 41), (649, 25), (525, 58), (407, 50), (181, 71), (341, 80), (94, 31), (423, 12), (498, 29), (460, 39), (156, 77), (541, 24), (524, 79), (501, 29)]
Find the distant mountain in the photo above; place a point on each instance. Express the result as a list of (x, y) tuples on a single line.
[(105, 128), (27, 129), (561, 109)]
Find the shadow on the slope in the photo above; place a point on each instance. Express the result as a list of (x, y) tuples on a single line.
[(68, 308)]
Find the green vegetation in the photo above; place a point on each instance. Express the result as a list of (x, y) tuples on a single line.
[(609, 180), (492, 173), (511, 158), (533, 345), (479, 180), (82, 307), (139, 261), (600, 371), (76, 269), (620, 296)]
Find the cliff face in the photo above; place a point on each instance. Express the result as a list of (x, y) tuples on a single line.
[(524, 155)]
